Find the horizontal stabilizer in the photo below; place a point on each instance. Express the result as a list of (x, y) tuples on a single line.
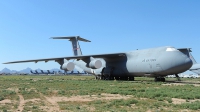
[(71, 37)]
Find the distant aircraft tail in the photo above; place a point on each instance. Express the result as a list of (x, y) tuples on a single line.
[(36, 71), (75, 44), (31, 71), (42, 71), (192, 58)]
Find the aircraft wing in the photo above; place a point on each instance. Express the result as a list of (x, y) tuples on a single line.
[(107, 57)]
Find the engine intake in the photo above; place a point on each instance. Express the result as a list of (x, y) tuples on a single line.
[(95, 64), (69, 66)]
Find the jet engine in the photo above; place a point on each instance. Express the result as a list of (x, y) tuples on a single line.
[(95, 64), (68, 66)]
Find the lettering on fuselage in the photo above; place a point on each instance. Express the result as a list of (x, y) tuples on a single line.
[(148, 60)]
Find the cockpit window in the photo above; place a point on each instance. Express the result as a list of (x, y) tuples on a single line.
[(171, 49)]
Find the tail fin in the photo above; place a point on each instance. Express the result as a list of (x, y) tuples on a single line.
[(192, 58), (75, 44), (42, 71)]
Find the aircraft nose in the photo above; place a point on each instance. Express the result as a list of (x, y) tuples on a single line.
[(188, 61), (183, 65)]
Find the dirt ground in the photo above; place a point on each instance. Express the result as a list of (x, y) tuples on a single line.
[(51, 103)]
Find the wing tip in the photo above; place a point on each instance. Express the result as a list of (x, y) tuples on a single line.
[(6, 63)]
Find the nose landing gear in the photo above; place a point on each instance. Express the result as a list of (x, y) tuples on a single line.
[(178, 78)]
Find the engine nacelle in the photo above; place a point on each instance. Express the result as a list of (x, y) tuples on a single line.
[(95, 64), (68, 66)]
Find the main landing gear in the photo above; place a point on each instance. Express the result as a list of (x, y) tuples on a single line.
[(162, 79)]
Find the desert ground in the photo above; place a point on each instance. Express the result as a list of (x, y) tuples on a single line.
[(83, 93)]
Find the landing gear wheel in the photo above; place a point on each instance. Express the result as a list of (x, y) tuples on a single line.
[(116, 78), (163, 79), (156, 79), (125, 78), (159, 79), (111, 78), (102, 77), (97, 77), (131, 78)]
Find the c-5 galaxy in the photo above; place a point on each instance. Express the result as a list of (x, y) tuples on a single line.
[(153, 62)]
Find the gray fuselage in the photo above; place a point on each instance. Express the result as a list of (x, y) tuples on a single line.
[(152, 62)]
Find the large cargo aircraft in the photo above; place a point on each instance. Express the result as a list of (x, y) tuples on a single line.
[(153, 62)]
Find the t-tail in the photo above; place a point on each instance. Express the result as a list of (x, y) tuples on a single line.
[(75, 43)]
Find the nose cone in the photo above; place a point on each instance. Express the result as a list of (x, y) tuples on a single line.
[(176, 62), (187, 65), (188, 62), (181, 65)]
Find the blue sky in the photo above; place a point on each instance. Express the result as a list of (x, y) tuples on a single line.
[(111, 25)]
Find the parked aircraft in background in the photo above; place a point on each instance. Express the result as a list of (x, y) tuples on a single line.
[(49, 72), (153, 62), (44, 72), (195, 67), (190, 76), (37, 72), (33, 72), (182, 75)]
